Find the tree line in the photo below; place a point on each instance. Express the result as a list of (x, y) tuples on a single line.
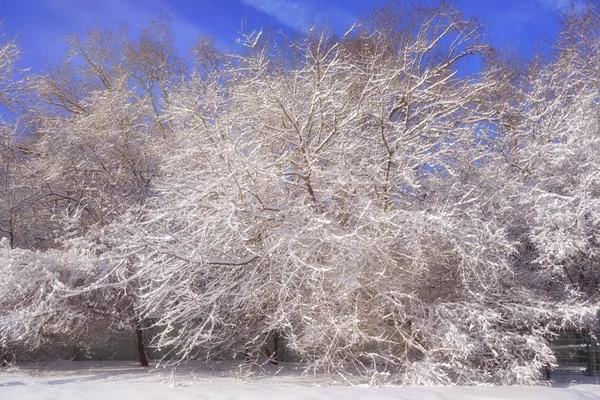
[(364, 197)]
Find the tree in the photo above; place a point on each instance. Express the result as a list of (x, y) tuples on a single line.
[(356, 197), (344, 204), (550, 146), (89, 154)]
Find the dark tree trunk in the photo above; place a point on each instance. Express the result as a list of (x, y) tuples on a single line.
[(75, 353), (5, 357), (141, 348), (11, 233), (274, 356)]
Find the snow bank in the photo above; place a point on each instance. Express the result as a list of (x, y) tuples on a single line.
[(122, 380)]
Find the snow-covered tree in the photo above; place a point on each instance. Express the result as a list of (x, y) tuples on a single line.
[(87, 154), (550, 138), (344, 205), (360, 199)]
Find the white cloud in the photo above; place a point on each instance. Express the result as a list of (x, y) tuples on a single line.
[(288, 13), (300, 15), (112, 12), (560, 5)]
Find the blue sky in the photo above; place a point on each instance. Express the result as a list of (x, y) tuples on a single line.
[(39, 25)]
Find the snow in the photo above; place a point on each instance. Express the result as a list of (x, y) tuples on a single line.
[(125, 380), (366, 204)]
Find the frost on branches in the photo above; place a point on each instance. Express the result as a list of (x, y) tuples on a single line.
[(356, 200)]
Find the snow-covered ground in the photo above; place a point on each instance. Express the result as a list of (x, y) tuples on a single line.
[(122, 380)]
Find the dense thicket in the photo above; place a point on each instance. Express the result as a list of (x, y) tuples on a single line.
[(363, 199)]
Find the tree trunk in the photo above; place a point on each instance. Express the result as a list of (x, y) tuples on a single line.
[(75, 353), (6, 357), (274, 356), (11, 233), (141, 349)]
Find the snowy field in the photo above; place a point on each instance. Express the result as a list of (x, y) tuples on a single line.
[(123, 380)]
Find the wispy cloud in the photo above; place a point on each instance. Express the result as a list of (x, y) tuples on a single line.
[(112, 12), (300, 15), (561, 5)]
